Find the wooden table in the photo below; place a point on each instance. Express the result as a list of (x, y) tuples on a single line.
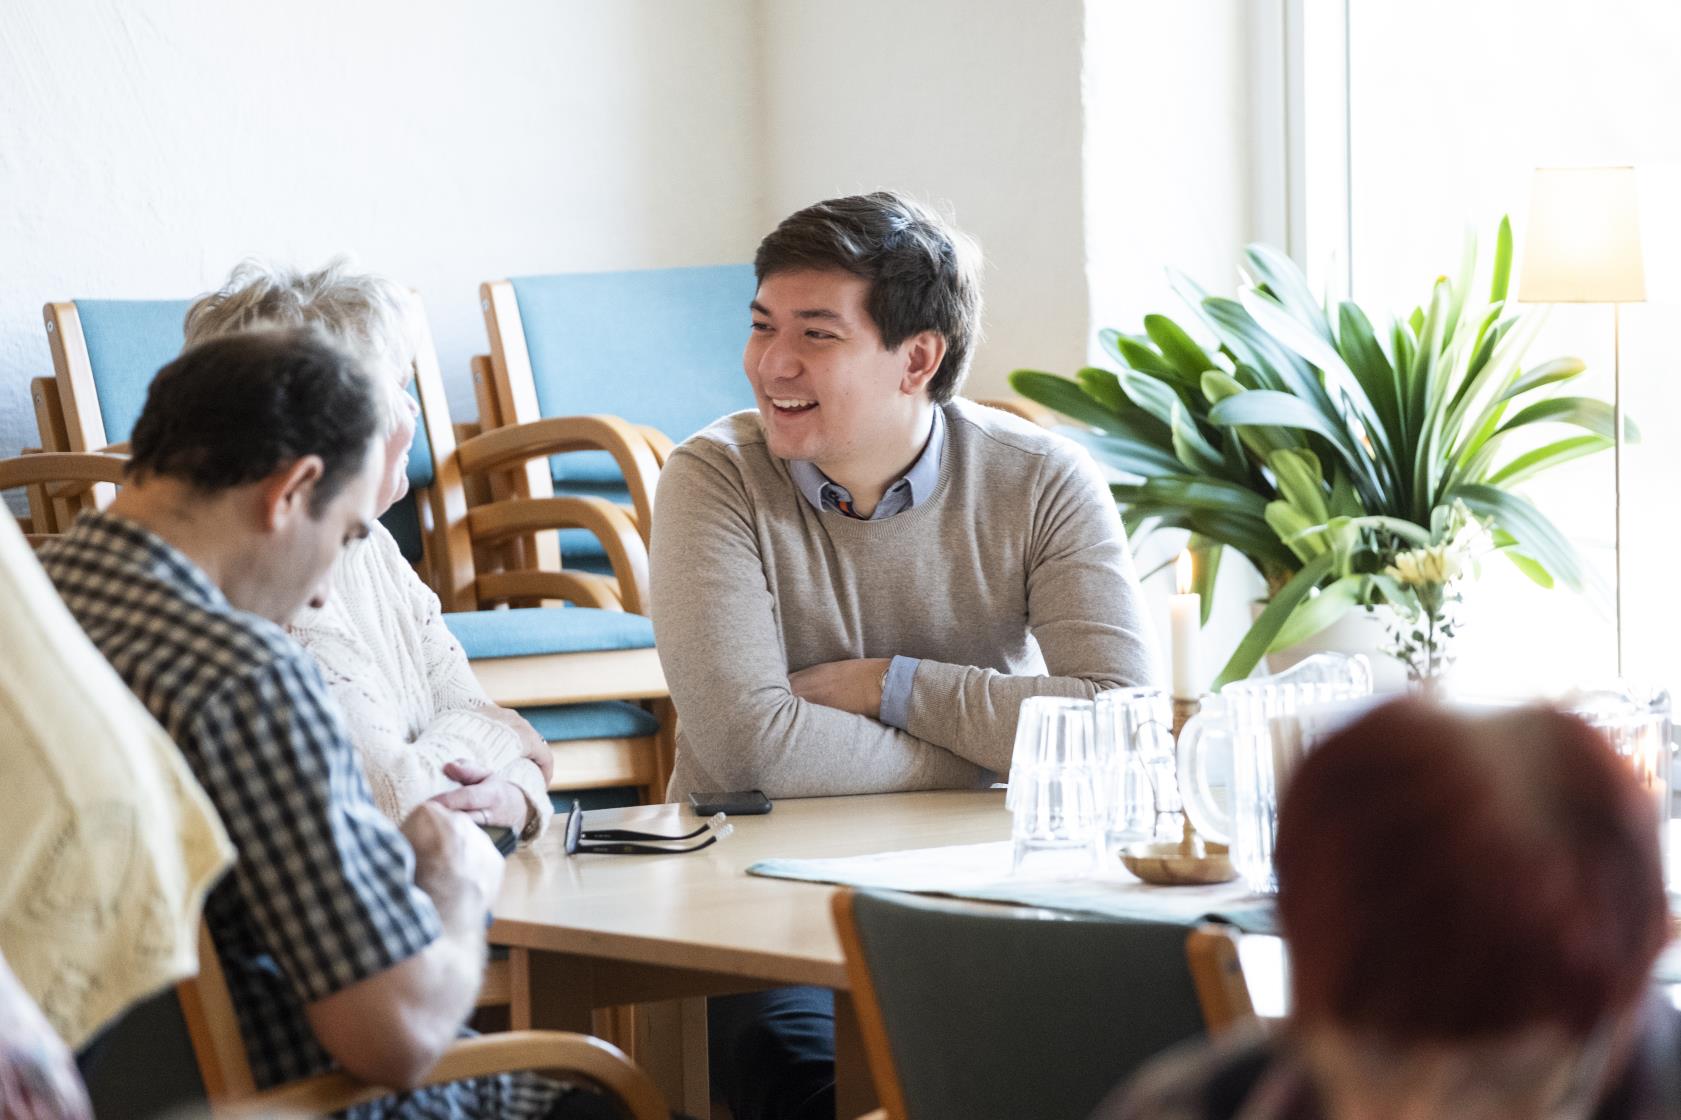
[(597, 931)]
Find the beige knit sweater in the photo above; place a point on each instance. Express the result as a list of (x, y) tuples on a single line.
[(1012, 579), (410, 702)]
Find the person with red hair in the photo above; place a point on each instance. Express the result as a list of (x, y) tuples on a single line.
[(1473, 903)]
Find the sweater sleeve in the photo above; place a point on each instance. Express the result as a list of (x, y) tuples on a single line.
[(715, 621), (1084, 609), (460, 706)]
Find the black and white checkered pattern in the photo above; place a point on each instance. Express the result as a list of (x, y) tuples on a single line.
[(322, 894)]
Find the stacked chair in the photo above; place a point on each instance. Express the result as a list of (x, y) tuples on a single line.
[(658, 348), (586, 676)]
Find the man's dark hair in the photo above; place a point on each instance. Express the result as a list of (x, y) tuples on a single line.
[(923, 274), (235, 409)]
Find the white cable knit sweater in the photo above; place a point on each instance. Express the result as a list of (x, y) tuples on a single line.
[(410, 702)]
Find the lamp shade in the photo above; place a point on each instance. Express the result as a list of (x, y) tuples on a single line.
[(1583, 242)]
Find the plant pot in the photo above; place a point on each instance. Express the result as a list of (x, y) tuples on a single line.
[(1355, 632)]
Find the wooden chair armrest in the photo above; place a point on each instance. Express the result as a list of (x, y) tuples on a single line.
[(514, 517), (502, 448), (659, 443), (1031, 411), (1217, 972), (64, 473), (586, 589), (570, 1055)]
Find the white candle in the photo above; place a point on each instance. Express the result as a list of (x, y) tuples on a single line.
[(1185, 613)]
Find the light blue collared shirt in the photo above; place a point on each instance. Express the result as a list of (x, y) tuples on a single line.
[(915, 485)]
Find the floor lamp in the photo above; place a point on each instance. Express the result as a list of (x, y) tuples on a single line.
[(1583, 246)]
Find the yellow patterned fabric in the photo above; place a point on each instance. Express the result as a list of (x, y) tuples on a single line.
[(108, 844)]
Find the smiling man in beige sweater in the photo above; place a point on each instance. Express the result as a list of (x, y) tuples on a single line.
[(855, 587)]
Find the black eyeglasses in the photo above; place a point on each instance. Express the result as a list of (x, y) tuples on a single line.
[(629, 842)]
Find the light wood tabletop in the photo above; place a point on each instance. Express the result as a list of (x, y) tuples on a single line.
[(590, 932), (701, 910)]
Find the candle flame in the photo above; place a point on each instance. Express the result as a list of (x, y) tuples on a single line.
[(1185, 572)]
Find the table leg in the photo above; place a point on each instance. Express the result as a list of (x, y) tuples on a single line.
[(855, 1093), (671, 1046), (550, 992)]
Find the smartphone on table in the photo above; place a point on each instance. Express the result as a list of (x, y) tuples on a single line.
[(735, 803)]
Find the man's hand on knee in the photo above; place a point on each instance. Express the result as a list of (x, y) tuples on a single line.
[(852, 686)]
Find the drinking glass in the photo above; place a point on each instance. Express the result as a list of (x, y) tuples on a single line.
[(1269, 723), (1636, 721), (1138, 789), (1054, 780)]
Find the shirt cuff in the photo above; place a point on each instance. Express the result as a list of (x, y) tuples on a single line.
[(896, 692)]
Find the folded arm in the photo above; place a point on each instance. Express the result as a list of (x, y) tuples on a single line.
[(1084, 610), (715, 621)]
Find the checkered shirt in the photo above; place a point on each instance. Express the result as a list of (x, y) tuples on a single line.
[(322, 894)]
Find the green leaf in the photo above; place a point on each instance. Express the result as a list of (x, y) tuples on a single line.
[(1301, 534), (1135, 355), (1534, 533), (1300, 480), (1502, 261), (1104, 387), (1205, 571), (1178, 348), (1126, 454), (1321, 610), (1204, 493), (1062, 395), (1191, 448), (1531, 568), (1583, 412), (1547, 373), (1277, 612), (1275, 409), (1546, 457), (1287, 284)]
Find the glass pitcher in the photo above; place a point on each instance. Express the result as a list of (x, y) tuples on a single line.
[(1637, 722), (1268, 723)]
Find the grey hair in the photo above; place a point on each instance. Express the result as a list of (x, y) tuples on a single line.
[(371, 315)]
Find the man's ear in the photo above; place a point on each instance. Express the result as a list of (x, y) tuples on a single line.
[(924, 351), (287, 492)]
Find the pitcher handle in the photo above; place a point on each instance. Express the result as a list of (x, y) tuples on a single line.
[(1211, 821)]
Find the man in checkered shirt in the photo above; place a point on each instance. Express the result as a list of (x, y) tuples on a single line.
[(346, 941)]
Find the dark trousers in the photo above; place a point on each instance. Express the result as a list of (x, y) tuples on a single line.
[(773, 1053)]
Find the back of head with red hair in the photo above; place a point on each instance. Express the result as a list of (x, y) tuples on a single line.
[(1448, 877)]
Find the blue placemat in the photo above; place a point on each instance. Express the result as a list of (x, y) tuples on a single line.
[(982, 872)]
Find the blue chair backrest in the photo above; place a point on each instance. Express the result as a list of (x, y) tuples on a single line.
[(656, 346), (129, 340)]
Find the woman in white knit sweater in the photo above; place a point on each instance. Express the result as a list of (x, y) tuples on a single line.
[(423, 726)]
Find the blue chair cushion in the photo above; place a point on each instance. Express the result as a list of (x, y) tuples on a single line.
[(607, 719), (128, 341), (580, 548), (538, 630), (656, 346)]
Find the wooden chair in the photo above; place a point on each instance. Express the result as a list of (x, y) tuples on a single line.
[(220, 1051), (660, 348), (1211, 949), (59, 485), (587, 678), (969, 1009)]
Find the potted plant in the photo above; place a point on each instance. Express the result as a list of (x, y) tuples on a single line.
[(1353, 467)]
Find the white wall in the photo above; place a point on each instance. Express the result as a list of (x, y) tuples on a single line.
[(145, 148), (970, 104), (1171, 173)]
